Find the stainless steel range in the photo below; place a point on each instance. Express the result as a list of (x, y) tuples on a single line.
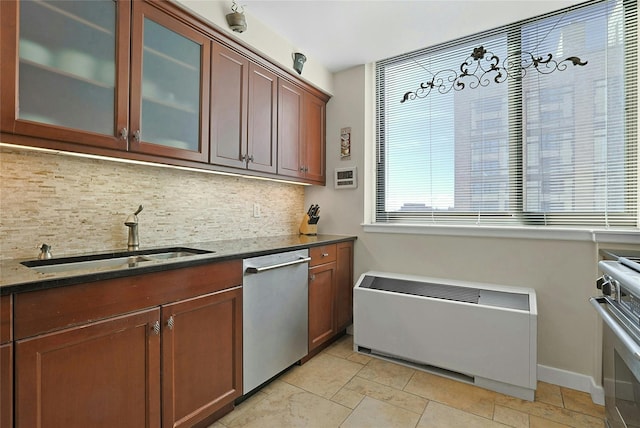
[(619, 307)]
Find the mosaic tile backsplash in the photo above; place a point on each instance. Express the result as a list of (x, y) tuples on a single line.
[(79, 205)]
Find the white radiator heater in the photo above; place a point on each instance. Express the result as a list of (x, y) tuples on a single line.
[(481, 333)]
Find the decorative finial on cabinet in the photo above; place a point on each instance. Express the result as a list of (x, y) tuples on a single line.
[(236, 20), (298, 61)]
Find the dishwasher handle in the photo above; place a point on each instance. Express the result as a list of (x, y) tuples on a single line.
[(253, 269)]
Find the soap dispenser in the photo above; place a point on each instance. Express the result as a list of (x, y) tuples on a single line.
[(45, 252)]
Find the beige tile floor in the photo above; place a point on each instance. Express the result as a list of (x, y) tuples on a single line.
[(340, 388)]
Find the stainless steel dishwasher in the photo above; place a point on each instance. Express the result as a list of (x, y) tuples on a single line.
[(274, 315)]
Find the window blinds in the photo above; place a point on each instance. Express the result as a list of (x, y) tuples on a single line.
[(551, 148)]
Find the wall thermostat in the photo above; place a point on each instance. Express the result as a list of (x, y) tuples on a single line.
[(346, 178)]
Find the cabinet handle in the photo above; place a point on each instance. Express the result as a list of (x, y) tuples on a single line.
[(301, 169), (170, 322), (124, 134), (258, 269), (325, 254), (137, 136), (156, 327), (250, 159), (243, 158)]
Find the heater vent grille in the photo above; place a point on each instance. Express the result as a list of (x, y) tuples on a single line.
[(424, 289)]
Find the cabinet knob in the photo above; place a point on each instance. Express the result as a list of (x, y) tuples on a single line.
[(156, 327), (137, 136), (312, 277), (250, 159), (124, 134), (170, 322)]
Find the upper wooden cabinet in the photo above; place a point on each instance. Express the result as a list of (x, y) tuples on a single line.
[(244, 99), (290, 134), (229, 90), (147, 80), (314, 138), (170, 69), (65, 70), (263, 119), (74, 86), (301, 133)]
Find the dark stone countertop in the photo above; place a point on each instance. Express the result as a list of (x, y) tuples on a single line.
[(17, 278)]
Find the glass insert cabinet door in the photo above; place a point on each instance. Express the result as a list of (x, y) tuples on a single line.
[(68, 83), (170, 77)]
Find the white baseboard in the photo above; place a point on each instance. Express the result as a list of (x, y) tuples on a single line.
[(572, 380)]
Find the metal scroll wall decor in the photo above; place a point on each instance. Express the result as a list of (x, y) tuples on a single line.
[(482, 67)]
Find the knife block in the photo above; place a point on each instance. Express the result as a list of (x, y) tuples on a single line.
[(306, 228)]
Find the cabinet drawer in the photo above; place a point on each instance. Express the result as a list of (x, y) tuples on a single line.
[(38, 312), (322, 254), (5, 319)]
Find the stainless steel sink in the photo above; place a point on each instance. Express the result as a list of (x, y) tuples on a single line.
[(127, 261), (111, 260), (169, 255)]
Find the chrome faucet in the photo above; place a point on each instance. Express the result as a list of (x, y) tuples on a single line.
[(132, 223)]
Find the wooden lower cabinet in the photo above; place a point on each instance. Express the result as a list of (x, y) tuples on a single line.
[(344, 285), (107, 374), (6, 318), (6, 385), (330, 292), (158, 349), (6, 362), (322, 326), (202, 356), (103, 374)]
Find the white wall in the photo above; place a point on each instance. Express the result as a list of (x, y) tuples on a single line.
[(262, 39), (562, 272)]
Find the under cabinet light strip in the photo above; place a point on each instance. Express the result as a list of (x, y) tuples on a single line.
[(136, 162)]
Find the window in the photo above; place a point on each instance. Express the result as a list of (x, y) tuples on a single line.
[(554, 149)]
